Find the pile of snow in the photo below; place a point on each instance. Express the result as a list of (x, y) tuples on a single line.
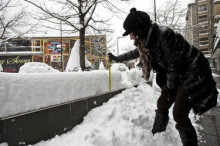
[(36, 67), (119, 67), (1, 69), (73, 64), (132, 77), (125, 120), (22, 92)]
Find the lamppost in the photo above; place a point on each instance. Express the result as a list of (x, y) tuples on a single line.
[(117, 45), (155, 11), (61, 46)]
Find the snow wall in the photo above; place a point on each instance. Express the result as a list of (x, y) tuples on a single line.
[(26, 92)]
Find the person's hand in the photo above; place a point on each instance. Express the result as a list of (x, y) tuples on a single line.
[(112, 57)]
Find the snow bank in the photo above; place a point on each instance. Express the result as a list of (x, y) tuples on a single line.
[(22, 92), (125, 120), (36, 67), (28, 90)]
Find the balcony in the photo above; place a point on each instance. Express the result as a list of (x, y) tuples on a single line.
[(204, 43), (202, 1), (203, 20)]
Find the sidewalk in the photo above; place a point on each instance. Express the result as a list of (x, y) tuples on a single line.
[(210, 121)]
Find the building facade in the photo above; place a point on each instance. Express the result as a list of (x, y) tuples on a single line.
[(48, 50), (199, 26)]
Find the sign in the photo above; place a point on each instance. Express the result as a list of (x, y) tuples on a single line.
[(13, 63), (54, 47), (55, 58), (7, 60)]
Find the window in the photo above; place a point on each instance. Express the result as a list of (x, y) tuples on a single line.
[(203, 29), (204, 41), (53, 46), (203, 18), (202, 8)]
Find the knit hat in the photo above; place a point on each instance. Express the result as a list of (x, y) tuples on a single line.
[(136, 20)]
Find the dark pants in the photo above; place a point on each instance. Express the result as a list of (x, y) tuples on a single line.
[(181, 106)]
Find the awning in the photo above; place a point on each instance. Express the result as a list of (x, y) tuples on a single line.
[(21, 53)]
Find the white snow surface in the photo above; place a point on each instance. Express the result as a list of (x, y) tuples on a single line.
[(125, 120)]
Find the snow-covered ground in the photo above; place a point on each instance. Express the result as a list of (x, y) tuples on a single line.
[(125, 120)]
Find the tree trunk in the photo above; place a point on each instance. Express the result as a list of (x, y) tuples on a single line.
[(82, 49)]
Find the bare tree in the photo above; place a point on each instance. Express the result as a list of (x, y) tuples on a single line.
[(172, 14), (9, 21), (79, 14)]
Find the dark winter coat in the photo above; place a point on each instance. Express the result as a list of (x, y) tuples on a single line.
[(179, 64)]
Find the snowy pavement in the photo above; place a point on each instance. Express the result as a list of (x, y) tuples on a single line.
[(210, 121)]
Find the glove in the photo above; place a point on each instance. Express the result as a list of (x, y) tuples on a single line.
[(112, 57)]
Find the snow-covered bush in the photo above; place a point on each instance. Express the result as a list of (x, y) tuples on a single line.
[(73, 64), (101, 66), (1, 69), (36, 67)]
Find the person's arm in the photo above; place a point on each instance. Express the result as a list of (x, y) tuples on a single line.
[(134, 54)]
